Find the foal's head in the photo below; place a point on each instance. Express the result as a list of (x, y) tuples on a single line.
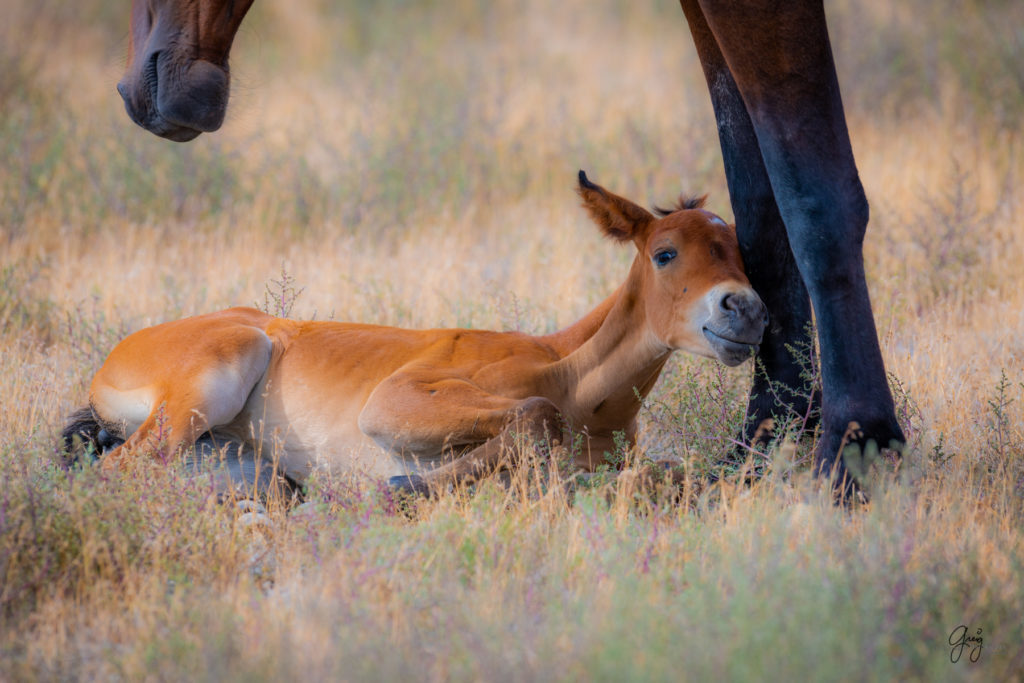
[(692, 288)]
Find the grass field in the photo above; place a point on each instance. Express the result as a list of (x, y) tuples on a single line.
[(412, 163)]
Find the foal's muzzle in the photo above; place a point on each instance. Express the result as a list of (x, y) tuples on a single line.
[(736, 325)]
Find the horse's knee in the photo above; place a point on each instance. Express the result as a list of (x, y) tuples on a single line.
[(827, 238), (537, 407), (540, 419)]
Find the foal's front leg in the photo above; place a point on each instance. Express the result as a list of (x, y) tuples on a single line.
[(187, 386), (416, 414), (534, 422)]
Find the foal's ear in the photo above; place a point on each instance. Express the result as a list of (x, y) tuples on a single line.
[(617, 217)]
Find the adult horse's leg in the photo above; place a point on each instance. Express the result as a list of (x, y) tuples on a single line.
[(781, 62), (780, 392)]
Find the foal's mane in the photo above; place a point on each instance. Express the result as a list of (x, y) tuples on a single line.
[(683, 203)]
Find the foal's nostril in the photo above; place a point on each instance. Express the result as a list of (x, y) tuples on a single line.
[(729, 305), (736, 305)]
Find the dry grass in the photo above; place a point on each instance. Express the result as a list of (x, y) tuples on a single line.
[(412, 164)]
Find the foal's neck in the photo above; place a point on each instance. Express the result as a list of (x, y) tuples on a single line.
[(610, 354)]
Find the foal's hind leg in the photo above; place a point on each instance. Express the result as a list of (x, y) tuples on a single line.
[(176, 382), (237, 469)]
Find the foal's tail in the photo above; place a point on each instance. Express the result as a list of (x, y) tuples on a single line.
[(80, 438)]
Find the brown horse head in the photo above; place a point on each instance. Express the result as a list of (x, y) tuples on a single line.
[(694, 290), (177, 81)]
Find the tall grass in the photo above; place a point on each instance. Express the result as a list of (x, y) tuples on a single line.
[(412, 164)]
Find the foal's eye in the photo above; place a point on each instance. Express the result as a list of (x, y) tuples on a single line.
[(664, 257)]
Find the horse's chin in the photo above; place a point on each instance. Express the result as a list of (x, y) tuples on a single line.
[(159, 126), (730, 351), (179, 134), (191, 98)]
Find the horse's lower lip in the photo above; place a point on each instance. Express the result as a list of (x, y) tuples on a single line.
[(730, 346), (161, 127), (180, 134)]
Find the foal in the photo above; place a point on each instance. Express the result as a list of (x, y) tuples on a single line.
[(431, 407)]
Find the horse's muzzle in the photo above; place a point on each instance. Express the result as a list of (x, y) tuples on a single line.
[(176, 101), (736, 327)]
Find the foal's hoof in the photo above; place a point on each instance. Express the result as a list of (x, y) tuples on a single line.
[(412, 484), (253, 516), (106, 442)]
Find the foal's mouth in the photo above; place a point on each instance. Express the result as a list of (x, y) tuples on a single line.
[(729, 350)]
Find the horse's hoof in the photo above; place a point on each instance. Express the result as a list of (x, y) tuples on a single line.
[(257, 522), (106, 442), (248, 505), (253, 516), (410, 483)]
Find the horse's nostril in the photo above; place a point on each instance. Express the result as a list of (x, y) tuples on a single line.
[(736, 305), (728, 304)]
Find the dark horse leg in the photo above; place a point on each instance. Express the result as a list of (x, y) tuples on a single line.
[(789, 162), (779, 393)]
